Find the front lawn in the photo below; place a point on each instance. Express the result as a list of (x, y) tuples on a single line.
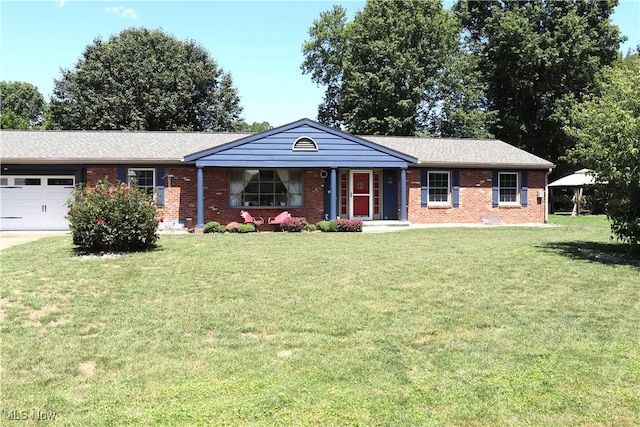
[(452, 326)]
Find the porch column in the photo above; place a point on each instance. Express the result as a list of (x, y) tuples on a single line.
[(333, 211), (403, 194), (200, 197)]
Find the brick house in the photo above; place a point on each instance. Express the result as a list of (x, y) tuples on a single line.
[(304, 167)]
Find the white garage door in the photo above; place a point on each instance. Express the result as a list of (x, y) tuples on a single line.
[(35, 202)]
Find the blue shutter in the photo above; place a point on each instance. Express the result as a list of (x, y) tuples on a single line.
[(424, 192), (122, 174), (160, 185), (524, 177), (456, 188), (496, 190)]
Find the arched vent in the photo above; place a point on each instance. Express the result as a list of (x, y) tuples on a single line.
[(304, 143)]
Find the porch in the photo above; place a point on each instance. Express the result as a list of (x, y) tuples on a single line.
[(354, 178)]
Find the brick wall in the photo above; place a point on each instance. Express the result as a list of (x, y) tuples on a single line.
[(216, 199), (94, 173), (475, 198), (476, 201), (181, 202)]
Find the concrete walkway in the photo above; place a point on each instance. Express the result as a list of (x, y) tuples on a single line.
[(14, 238)]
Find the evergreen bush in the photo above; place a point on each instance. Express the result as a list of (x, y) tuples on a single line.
[(214, 227), (246, 228)]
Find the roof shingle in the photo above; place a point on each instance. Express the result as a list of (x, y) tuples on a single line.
[(68, 147)]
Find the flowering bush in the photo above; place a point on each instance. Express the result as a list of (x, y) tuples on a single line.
[(350, 225), (294, 224), (111, 217)]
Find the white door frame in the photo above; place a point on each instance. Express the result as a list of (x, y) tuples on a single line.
[(370, 194)]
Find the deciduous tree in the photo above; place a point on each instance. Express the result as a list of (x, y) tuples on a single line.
[(383, 69), (145, 80), (21, 105), (607, 133), (256, 127), (537, 58)]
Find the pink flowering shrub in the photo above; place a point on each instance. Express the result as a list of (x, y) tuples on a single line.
[(349, 224), (111, 217), (294, 224)]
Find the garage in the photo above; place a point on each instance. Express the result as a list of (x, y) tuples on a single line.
[(35, 202)]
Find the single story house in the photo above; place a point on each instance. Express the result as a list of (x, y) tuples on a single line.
[(304, 167)]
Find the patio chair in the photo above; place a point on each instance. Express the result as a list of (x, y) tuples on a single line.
[(248, 219), (279, 219)]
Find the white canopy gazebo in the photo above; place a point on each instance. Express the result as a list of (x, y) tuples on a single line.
[(577, 181)]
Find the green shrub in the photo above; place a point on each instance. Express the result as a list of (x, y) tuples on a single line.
[(214, 227), (327, 226), (246, 228), (310, 227), (110, 217)]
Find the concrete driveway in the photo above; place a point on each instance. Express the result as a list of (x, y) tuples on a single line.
[(14, 238)]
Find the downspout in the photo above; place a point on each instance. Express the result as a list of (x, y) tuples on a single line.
[(403, 194), (546, 196)]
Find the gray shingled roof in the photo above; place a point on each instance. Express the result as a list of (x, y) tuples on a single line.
[(461, 152), (40, 147), (106, 146)]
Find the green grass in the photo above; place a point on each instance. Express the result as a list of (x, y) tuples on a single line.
[(468, 326)]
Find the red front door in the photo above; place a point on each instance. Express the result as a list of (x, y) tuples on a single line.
[(361, 194)]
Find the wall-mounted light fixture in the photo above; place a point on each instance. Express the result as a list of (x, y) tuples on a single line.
[(131, 177)]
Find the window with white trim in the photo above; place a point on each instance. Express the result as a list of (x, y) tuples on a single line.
[(508, 188), (439, 188), (143, 178), (266, 187)]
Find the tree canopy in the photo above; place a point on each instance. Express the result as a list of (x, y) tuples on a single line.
[(145, 80), (21, 105), (538, 57), (607, 133), (505, 69), (256, 127), (380, 68)]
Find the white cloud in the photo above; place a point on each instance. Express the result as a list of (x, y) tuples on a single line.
[(125, 12), (62, 3)]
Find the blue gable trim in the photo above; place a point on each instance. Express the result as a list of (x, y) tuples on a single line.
[(273, 148)]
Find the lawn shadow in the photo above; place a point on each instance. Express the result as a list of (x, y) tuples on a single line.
[(87, 253), (605, 253)]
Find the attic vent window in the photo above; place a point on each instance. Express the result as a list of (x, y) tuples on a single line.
[(304, 143)]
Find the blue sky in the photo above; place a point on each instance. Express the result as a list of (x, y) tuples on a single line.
[(258, 42)]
